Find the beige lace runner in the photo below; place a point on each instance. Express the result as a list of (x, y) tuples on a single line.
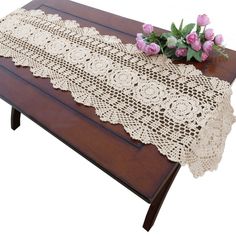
[(184, 113)]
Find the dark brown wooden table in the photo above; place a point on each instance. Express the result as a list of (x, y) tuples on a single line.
[(141, 168)]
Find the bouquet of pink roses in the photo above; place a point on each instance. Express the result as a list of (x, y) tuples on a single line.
[(183, 41)]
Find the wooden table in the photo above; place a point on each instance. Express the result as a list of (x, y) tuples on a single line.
[(141, 168)]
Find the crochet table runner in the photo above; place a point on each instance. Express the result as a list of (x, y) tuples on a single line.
[(185, 114)]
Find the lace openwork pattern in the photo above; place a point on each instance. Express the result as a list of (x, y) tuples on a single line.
[(185, 114)]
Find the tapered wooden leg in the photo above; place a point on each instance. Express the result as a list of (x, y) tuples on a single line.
[(15, 118), (157, 202)]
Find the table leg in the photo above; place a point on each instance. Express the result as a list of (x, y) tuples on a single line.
[(15, 118), (156, 204)]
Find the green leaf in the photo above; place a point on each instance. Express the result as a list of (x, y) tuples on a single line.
[(152, 38), (169, 52), (161, 44), (198, 29), (166, 35), (187, 29), (220, 50), (202, 37), (181, 25), (198, 56), (193, 54), (190, 53), (175, 31), (181, 44)]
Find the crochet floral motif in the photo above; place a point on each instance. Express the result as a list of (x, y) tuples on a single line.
[(185, 114)]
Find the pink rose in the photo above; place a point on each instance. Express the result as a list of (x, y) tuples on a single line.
[(204, 56), (140, 44), (191, 38), (147, 28), (203, 20), (218, 39), (207, 46), (196, 45), (209, 34), (152, 49), (139, 36), (181, 52)]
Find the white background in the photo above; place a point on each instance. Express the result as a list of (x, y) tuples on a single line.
[(54, 191)]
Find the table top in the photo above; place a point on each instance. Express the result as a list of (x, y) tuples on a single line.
[(139, 167)]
